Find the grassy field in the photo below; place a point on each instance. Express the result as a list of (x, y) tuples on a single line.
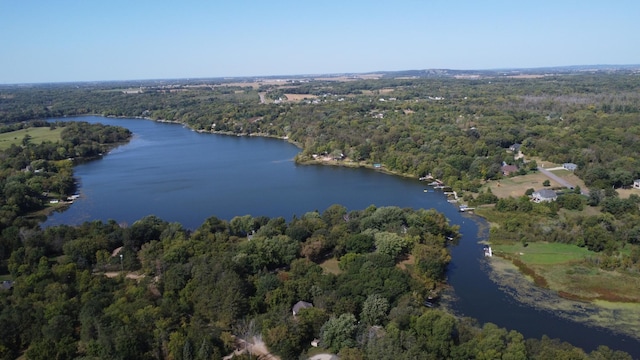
[(299, 97), (38, 135), (619, 316), (331, 266), (561, 267), (517, 185), (540, 253), (625, 193)]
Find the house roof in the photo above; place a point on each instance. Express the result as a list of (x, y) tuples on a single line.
[(6, 285), (545, 193), (301, 305), (509, 169)]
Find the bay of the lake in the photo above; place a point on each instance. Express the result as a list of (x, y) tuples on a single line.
[(184, 176)]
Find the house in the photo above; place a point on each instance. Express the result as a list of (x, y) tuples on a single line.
[(6, 285), (544, 195), (515, 148), (570, 166), (301, 305), (509, 169), (636, 184)]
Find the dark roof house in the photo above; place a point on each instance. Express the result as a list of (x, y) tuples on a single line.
[(301, 305), (544, 195), (509, 169), (6, 285), (515, 147)]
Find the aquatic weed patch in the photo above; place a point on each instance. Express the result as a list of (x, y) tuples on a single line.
[(563, 268), (620, 317)]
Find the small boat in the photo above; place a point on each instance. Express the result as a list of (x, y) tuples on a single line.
[(425, 190)]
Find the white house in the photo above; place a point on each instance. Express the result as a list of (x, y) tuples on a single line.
[(544, 195), (636, 184), (570, 166)]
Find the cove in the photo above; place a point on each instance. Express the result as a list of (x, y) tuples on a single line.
[(184, 176)]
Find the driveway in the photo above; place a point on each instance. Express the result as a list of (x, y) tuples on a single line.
[(324, 357), (559, 180)]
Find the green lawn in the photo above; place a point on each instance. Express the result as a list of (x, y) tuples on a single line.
[(38, 135), (541, 253), (331, 266)]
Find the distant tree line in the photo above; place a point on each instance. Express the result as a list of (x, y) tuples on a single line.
[(456, 129)]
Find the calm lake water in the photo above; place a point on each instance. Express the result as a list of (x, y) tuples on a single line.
[(183, 176)]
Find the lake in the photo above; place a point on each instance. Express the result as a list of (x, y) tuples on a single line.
[(184, 176)]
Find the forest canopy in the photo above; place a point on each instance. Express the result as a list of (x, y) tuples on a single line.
[(154, 290)]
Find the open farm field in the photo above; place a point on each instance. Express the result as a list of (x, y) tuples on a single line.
[(299, 97), (38, 135)]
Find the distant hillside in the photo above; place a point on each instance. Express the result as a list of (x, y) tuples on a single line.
[(556, 70), (425, 73)]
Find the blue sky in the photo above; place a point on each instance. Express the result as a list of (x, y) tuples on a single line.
[(59, 41)]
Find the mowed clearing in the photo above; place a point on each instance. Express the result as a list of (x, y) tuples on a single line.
[(516, 186), (299, 97), (38, 135), (543, 253)]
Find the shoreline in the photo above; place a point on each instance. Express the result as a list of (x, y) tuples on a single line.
[(539, 280)]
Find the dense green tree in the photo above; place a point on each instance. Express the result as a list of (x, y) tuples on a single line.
[(339, 332), (374, 310)]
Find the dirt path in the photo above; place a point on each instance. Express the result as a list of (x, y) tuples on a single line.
[(112, 274), (255, 347)]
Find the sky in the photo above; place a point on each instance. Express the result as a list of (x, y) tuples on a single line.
[(86, 40)]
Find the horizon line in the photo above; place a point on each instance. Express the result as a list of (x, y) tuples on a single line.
[(337, 74)]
